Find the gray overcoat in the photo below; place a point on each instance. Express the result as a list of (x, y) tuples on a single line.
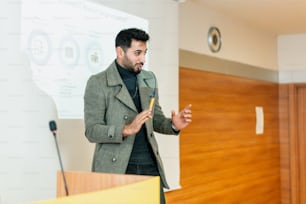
[(108, 106)]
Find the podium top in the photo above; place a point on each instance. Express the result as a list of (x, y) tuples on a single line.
[(84, 182), (144, 191)]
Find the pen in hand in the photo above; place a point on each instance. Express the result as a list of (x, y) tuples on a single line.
[(152, 100)]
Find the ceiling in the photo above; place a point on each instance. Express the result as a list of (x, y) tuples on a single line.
[(279, 17)]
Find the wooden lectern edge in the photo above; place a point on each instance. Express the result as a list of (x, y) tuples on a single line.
[(145, 191), (83, 182)]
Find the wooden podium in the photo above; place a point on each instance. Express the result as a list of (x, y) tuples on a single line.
[(97, 188), (84, 182)]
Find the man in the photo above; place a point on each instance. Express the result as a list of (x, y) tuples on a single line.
[(119, 117)]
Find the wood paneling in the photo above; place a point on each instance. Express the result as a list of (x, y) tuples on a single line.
[(222, 159), (284, 143), (292, 114)]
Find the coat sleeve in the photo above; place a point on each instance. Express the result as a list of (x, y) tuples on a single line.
[(161, 123), (95, 106)]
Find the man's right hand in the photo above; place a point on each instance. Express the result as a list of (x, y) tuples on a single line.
[(135, 126)]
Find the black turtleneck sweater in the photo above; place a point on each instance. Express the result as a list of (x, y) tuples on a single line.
[(142, 151)]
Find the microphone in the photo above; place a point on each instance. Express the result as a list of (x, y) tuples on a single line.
[(53, 129)]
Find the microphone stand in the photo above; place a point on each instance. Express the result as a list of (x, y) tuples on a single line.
[(61, 164)]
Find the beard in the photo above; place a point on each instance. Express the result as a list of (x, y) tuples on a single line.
[(133, 68), (128, 65)]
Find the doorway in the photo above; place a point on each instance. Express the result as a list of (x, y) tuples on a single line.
[(297, 126)]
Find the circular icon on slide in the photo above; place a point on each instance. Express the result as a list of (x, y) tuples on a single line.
[(94, 57), (69, 52), (39, 47)]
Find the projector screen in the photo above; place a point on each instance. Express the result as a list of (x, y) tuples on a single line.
[(66, 42)]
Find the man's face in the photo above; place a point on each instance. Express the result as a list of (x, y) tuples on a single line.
[(134, 57)]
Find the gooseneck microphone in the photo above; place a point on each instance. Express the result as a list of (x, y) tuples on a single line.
[(53, 129)]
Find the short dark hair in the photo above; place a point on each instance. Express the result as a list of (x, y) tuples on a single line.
[(125, 37)]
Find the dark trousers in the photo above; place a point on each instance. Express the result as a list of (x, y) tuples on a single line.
[(150, 170)]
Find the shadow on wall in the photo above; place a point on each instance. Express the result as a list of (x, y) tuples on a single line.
[(27, 150)]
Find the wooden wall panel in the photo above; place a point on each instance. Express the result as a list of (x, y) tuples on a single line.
[(284, 143), (292, 146), (222, 159)]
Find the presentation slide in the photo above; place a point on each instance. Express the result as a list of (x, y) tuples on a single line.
[(66, 42)]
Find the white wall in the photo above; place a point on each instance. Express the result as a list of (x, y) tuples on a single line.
[(240, 42), (291, 58), (27, 149)]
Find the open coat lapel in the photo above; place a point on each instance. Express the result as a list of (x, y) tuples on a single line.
[(146, 83), (113, 79)]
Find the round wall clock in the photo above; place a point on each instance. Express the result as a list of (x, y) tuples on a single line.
[(214, 39)]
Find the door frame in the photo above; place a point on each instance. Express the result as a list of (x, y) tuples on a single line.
[(296, 146)]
